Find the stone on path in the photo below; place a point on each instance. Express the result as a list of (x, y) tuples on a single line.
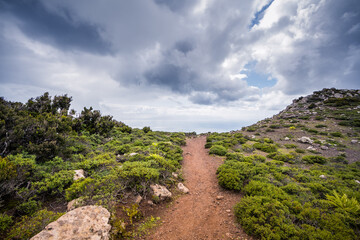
[(89, 222), (182, 188), (161, 191)]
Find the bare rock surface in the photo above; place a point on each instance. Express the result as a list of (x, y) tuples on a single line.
[(89, 222)]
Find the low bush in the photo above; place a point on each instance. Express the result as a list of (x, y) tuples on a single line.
[(282, 157), (218, 150), (265, 147), (314, 159), (265, 217)]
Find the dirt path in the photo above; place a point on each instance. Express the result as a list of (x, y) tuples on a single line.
[(200, 215)]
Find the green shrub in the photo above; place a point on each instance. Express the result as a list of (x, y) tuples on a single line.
[(55, 183), (282, 157), (5, 222), (218, 150), (257, 188), (255, 157), (265, 147), (320, 126), (27, 227), (29, 207), (208, 145), (298, 150), (247, 148), (290, 145), (336, 134), (79, 188), (314, 159), (265, 217), (232, 174)]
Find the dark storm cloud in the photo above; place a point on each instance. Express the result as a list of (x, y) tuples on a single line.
[(177, 78), (184, 46), (61, 30)]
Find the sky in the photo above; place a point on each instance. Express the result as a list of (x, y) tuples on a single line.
[(179, 65)]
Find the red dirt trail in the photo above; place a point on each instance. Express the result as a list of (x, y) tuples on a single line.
[(200, 215)]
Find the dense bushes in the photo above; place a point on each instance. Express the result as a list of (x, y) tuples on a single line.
[(283, 202), (42, 143)]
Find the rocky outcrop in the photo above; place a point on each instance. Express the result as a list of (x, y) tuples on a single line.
[(160, 191), (79, 174), (89, 222), (305, 140)]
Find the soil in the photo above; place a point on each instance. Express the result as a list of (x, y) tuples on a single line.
[(200, 214)]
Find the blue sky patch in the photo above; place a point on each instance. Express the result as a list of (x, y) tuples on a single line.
[(257, 79)]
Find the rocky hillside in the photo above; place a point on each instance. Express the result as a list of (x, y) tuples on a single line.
[(298, 171), (330, 118)]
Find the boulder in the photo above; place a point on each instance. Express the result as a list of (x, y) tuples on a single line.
[(219, 197), (305, 140), (322, 176), (182, 188), (79, 174), (175, 175), (89, 222), (354, 141), (160, 191), (311, 148), (287, 139), (357, 181), (133, 154)]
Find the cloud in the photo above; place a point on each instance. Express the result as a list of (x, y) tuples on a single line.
[(162, 55), (60, 29)]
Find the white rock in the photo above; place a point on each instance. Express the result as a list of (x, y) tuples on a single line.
[(311, 148), (253, 136), (79, 174), (219, 197), (89, 222), (354, 141), (182, 188), (151, 203), (175, 175), (160, 191), (132, 154), (286, 139), (305, 140), (357, 181), (322, 176)]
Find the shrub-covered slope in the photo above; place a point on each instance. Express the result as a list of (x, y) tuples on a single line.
[(299, 171), (42, 143)]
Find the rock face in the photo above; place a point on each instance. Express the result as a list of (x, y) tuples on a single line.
[(305, 140), (182, 188), (160, 191), (79, 174), (89, 222)]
